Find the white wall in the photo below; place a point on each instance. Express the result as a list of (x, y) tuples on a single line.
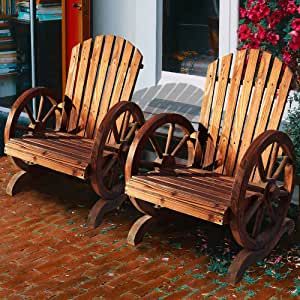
[(135, 20), (115, 16)]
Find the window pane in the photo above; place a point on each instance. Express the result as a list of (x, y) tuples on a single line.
[(191, 35)]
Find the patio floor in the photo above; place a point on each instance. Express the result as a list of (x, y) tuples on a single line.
[(47, 251)]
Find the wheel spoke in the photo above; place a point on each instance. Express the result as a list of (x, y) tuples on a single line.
[(116, 133), (131, 132), (110, 165), (253, 209), (29, 113), (125, 123), (156, 146), (169, 138), (280, 167), (258, 222), (261, 168), (41, 106), (180, 145), (273, 159), (121, 161), (49, 113), (112, 178), (270, 210)]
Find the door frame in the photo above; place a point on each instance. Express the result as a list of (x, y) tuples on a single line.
[(85, 33)]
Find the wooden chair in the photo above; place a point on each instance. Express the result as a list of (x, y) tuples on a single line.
[(236, 169), (87, 135)]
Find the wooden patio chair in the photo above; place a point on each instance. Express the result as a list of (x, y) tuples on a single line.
[(236, 169), (87, 135)]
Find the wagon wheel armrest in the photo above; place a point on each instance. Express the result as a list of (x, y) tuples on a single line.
[(33, 92), (147, 133), (253, 160)]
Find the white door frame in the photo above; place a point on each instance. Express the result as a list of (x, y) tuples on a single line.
[(229, 19)]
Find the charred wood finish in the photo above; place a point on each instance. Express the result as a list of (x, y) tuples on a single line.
[(237, 169), (88, 134)]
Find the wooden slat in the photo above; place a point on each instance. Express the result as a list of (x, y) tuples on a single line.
[(72, 74), (269, 98), (48, 162), (131, 76), (119, 83), (194, 187), (105, 59), (80, 83), (240, 117), (218, 109), (183, 196), (267, 106), (110, 80), (120, 80), (55, 146), (255, 103), (71, 140), (90, 82), (280, 102), (208, 93), (278, 109), (235, 84), (49, 151), (175, 205)]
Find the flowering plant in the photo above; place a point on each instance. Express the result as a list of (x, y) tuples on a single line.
[(272, 25)]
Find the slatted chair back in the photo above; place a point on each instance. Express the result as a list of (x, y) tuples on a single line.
[(242, 99), (102, 72)]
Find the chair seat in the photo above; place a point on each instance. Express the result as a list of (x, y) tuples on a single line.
[(62, 152), (196, 192)]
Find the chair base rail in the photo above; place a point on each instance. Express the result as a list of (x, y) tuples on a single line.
[(21, 179), (101, 208), (139, 229), (246, 258)]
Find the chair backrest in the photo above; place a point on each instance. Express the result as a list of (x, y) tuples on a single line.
[(102, 72), (241, 100)]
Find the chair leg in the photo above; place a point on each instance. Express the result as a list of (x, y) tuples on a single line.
[(16, 182), (246, 257), (139, 229), (102, 207)]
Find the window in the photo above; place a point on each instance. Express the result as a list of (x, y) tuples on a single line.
[(193, 34), (190, 35)]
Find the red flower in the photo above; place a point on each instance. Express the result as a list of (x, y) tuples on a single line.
[(291, 7), (258, 12), (243, 12), (261, 33), (244, 32), (264, 10), (294, 44), (296, 24), (287, 57), (273, 38), (275, 18)]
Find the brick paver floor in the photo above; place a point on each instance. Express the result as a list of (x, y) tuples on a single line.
[(47, 251)]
